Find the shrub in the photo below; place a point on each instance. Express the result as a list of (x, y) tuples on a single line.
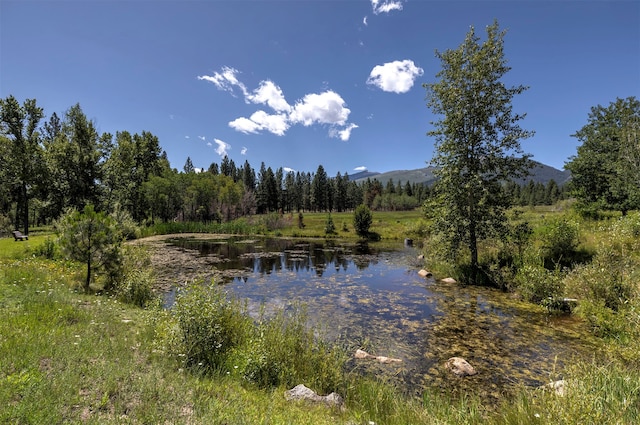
[(559, 242), (207, 327), (285, 352), (133, 283), (329, 227), (362, 220), (48, 249), (538, 285)]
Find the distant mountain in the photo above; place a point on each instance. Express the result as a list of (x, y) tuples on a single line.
[(540, 173)]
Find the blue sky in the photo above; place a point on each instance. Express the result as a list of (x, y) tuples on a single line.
[(301, 83)]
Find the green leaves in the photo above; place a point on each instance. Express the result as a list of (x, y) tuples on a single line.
[(606, 169), (477, 141)]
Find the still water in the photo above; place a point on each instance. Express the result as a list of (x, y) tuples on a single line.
[(371, 296)]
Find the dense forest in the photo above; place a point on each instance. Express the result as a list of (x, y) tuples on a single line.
[(50, 165)]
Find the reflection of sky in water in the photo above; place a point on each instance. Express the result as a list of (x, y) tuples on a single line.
[(374, 297)]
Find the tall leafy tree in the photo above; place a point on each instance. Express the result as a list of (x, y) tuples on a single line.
[(606, 169), (477, 140), (21, 167)]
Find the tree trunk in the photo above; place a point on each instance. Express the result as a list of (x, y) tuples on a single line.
[(25, 211), (88, 281)]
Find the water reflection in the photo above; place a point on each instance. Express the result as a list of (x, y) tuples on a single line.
[(371, 295)]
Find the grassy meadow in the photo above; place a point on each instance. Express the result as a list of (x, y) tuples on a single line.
[(71, 357)]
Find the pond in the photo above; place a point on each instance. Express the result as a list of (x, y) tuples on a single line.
[(371, 296)]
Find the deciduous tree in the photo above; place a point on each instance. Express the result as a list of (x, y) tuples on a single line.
[(477, 140), (606, 169)]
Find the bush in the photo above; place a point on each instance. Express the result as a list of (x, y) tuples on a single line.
[(48, 249), (362, 220), (559, 242), (538, 285), (207, 327), (133, 283), (285, 352), (329, 227)]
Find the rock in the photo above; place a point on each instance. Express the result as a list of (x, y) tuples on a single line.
[(460, 367), (424, 273), (421, 257), (448, 280), (301, 392), (361, 354)]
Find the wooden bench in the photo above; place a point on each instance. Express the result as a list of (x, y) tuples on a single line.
[(19, 236)]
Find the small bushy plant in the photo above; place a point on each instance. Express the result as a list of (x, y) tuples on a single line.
[(48, 249), (284, 351), (207, 327), (362, 220), (559, 242), (133, 284), (538, 285), (329, 227)]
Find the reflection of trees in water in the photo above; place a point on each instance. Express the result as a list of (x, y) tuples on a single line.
[(274, 255)]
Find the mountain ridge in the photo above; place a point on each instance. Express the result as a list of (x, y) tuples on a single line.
[(539, 173)]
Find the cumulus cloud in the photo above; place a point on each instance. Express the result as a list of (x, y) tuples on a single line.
[(326, 108), (226, 80), (396, 76), (323, 108), (270, 94), (385, 6), (243, 151), (259, 121), (222, 148), (360, 168), (364, 21), (288, 170)]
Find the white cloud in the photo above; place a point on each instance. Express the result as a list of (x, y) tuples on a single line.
[(396, 76), (343, 134), (243, 151), (222, 147), (198, 170), (288, 170), (276, 124), (244, 125), (186, 137), (323, 108), (364, 21), (226, 80), (209, 144), (270, 94), (260, 120), (360, 168), (201, 138), (385, 6)]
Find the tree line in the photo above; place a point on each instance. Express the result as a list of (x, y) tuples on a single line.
[(47, 167)]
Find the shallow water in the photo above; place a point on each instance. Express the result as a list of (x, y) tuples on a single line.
[(371, 296)]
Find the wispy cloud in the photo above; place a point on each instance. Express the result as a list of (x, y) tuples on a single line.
[(385, 6), (226, 80), (243, 151), (364, 21), (396, 76), (222, 148), (187, 137), (288, 170), (360, 168), (202, 138), (343, 134), (325, 108)]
